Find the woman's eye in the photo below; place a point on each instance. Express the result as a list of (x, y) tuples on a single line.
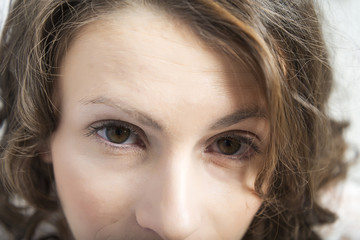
[(118, 133), (239, 147), (229, 146)]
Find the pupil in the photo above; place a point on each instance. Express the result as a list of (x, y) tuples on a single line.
[(228, 146), (117, 134)]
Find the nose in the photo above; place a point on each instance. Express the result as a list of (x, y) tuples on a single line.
[(170, 202)]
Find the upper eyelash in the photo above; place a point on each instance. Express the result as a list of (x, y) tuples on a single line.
[(100, 125), (111, 123), (249, 141)]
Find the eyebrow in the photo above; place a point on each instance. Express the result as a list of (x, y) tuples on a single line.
[(141, 117), (145, 119), (238, 116)]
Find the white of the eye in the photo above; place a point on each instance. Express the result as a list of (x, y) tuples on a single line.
[(132, 139)]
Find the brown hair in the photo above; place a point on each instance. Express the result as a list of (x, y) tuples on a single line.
[(280, 41)]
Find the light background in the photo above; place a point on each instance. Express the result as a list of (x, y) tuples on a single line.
[(341, 22), (342, 31)]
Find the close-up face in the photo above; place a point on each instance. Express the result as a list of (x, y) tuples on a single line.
[(160, 136)]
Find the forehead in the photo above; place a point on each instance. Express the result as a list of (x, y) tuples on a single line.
[(154, 52), (143, 32)]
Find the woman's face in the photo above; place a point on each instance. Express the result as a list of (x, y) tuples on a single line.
[(159, 136)]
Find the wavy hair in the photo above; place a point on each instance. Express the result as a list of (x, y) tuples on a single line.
[(280, 41)]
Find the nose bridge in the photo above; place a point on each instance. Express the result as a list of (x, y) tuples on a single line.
[(171, 208)]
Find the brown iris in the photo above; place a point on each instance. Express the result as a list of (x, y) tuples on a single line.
[(117, 134), (228, 146)]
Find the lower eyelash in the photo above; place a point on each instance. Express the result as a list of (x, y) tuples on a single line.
[(96, 127), (113, 149), (221, 159)]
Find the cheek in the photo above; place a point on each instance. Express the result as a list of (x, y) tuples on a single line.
[(91, 198), (233, 211), (238, 214)]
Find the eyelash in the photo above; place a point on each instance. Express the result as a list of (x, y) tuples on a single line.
[(95, 128), (240, 137)]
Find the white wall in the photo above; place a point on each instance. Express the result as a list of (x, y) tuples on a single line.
[(3, 7), (342, 28)]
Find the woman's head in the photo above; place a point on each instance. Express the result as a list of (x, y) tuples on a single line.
[(168, 119)]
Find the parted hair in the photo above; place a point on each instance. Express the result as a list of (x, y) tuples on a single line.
[(281, 42)]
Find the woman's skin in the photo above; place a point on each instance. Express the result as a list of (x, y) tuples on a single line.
[(160, 137)]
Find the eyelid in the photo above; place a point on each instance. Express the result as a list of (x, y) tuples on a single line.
[(235, 134)]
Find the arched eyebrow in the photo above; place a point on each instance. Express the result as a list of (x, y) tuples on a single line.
[(238, 116), (138, 115), (147, 120)]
